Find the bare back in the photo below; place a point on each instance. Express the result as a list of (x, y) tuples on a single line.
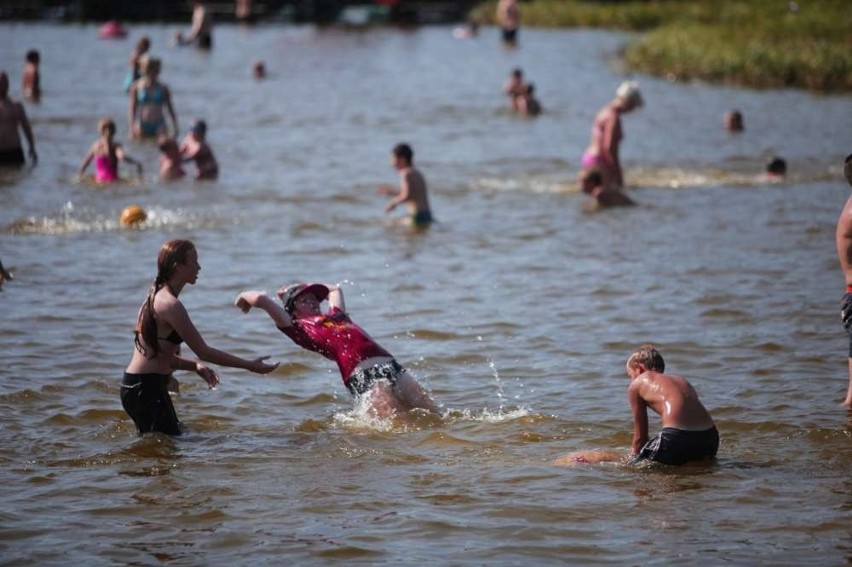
[(418, 200), (11, 118), (673, 398)]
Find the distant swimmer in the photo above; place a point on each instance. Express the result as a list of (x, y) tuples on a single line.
[(527, 103), (12, 117), (5, 275), (591, 183), (170, 158), (603, 149), (365, 367), (258, 70), (844, 252), (195, 148), (107, 154), (688, 432), (509, 19), (137, 56), (31, 77), (515, 87), (412, 187), (201, 33), (148, 98), (775, 170), (162, 324), (734, 121)]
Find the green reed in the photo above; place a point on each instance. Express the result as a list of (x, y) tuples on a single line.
[(758, 43)]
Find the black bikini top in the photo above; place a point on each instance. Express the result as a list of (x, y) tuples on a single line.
[(173, 338)]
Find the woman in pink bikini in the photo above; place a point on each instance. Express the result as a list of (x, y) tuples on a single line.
[(106, 154), (367, 369), (602, 153)]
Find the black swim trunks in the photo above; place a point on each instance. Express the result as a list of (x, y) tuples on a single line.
[(361, 381), (846, 317), (672, 446), (15, 156), (145, 397)]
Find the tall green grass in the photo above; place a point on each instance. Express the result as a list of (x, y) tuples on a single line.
[(758, 43)]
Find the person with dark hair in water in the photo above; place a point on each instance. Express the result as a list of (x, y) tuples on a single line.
[(12, 117), (162, 325)]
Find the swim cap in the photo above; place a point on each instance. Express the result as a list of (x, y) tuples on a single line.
[(290, 293)]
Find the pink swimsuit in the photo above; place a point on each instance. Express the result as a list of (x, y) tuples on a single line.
[(106, 169)]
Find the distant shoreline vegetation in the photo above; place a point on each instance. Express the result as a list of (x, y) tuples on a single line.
[(753, 43)]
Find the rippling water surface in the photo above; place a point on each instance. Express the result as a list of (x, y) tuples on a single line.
[(516, 309)]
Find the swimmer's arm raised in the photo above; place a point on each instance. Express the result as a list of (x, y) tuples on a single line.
[(251, 298)]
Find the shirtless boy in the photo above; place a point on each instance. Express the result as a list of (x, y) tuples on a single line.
[(12, 117), (844, 252), (688, 431), (195, 148), (412, 187), (31, 79)]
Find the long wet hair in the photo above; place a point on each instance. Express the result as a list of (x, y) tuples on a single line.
[(171, 254)]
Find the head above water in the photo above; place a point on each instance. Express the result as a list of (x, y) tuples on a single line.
[(404, 151), (199, 128), (151, 65), (648, 358), (589, 179), (776, 166), (847, 169), (734, 121), (106, 126), (628, 93), (291, 293)]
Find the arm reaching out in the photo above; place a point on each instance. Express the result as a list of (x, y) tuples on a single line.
[(248, 299)]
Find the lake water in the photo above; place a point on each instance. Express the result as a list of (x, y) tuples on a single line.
[(517, 310)]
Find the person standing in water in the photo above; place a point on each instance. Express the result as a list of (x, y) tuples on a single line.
[(412, 187), (688, 432), (136, 58), (195, 148), (31, 78), (107, 154), (603, 150), (12, 117), (509, 20), (364, 366), (201, 32), (148, 98), (844, 253), (162, 325)]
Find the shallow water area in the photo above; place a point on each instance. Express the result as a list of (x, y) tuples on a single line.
[(516, 309)]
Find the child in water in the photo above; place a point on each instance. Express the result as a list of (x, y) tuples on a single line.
[(366, 367), (591, 183), (195, 148), (170, 158), (31, 79), (107, 154), (412, 187)]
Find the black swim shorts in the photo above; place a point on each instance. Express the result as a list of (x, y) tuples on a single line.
[(361, 381), (673, 446), (15, 156), (145, 397), (846, 317)]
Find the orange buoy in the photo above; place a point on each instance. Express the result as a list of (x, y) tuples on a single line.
[(133, 215)]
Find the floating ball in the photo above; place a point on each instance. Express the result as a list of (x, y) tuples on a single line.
[(133, 215)]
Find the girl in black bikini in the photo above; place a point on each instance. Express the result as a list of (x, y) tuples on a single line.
[(162, 325)]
